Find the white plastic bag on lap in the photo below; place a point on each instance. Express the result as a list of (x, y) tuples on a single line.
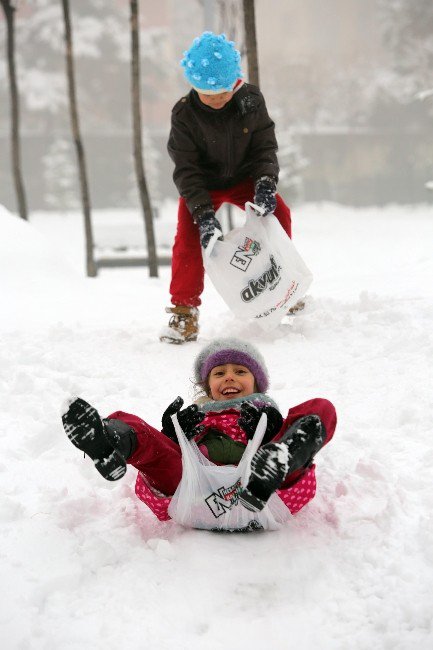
[(257, 270), (207, 495)]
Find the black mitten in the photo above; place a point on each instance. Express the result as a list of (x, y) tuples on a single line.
[(265, 191), (250, 416), (207, 223), (188, 419)]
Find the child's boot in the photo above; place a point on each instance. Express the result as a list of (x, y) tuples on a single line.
[(274, 461), (299, 306), (121, 436), (108, 443), (183, 325)]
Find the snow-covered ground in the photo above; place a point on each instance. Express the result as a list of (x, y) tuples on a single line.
[(86, 565)]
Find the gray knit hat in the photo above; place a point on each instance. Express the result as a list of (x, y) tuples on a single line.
[(231, 350)]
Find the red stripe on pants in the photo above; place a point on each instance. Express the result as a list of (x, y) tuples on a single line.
[(187, 272)]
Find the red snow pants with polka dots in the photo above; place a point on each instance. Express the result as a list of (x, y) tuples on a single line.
[(187, 272), (159, 460)]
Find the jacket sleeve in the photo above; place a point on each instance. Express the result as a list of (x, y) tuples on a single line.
[(188, 175), (263, 147)]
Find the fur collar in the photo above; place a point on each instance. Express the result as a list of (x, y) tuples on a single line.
[(223, 405)]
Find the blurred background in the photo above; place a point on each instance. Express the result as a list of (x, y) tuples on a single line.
[(348, 83)]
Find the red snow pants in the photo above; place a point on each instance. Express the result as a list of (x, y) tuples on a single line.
[(187, 273), (159, 460)]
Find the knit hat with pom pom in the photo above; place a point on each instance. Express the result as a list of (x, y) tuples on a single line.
[(231, 350), (212, 64)]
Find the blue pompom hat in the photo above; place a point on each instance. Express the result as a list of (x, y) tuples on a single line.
[(212, 64)]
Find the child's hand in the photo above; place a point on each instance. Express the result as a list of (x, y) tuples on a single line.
[(250, 416), (188, 419), (208, 225), (265, 191)]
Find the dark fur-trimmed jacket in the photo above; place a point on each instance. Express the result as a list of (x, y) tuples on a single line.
[(215, 149)]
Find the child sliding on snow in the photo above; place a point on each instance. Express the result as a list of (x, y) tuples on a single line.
[(234, 379), (222, 142)]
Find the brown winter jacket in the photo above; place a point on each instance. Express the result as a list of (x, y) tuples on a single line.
[(215, 149)]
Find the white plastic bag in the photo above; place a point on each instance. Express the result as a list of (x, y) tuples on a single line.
[(257, 269), (207, 495)]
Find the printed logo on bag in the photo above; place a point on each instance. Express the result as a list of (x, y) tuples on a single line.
[(244, 254), (268, 280), (291, 290), (224, 499)]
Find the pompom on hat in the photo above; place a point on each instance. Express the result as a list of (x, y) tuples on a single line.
[(212, 64), (231, 350)]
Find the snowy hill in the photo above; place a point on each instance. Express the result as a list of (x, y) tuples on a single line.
[(86, 565)]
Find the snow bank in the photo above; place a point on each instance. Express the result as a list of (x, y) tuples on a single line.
[(27, 259), (30, 269), (42, 277)]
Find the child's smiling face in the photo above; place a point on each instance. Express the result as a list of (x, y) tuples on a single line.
[(216, 101), (230, 381)]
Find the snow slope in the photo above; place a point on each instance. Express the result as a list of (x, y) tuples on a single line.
[(86, 565)]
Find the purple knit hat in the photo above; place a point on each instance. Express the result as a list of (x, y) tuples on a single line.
[(231, 350)]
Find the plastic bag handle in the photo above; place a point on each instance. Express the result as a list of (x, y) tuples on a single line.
[(257, 209), (209, 248), (252, 447)]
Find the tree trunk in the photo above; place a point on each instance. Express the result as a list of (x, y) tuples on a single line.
[(251, 41), (9, 12), (137, 139), (81, 159)]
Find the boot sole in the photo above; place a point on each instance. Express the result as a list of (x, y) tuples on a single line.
[(250, 502), (303, 438), (269, 465), (301, 445), (174, 341), (85, 430)]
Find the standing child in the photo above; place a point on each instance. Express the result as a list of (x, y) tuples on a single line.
[(233, 377), (222, 142)]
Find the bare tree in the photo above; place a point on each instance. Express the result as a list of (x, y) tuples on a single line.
[(231, 21), (408, 32), (9, 12), (85, 197), (137, 138), (251, 41)]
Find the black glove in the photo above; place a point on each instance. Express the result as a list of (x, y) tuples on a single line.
[(265, 190), (250, 416), (207, 223), (188, 419)]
